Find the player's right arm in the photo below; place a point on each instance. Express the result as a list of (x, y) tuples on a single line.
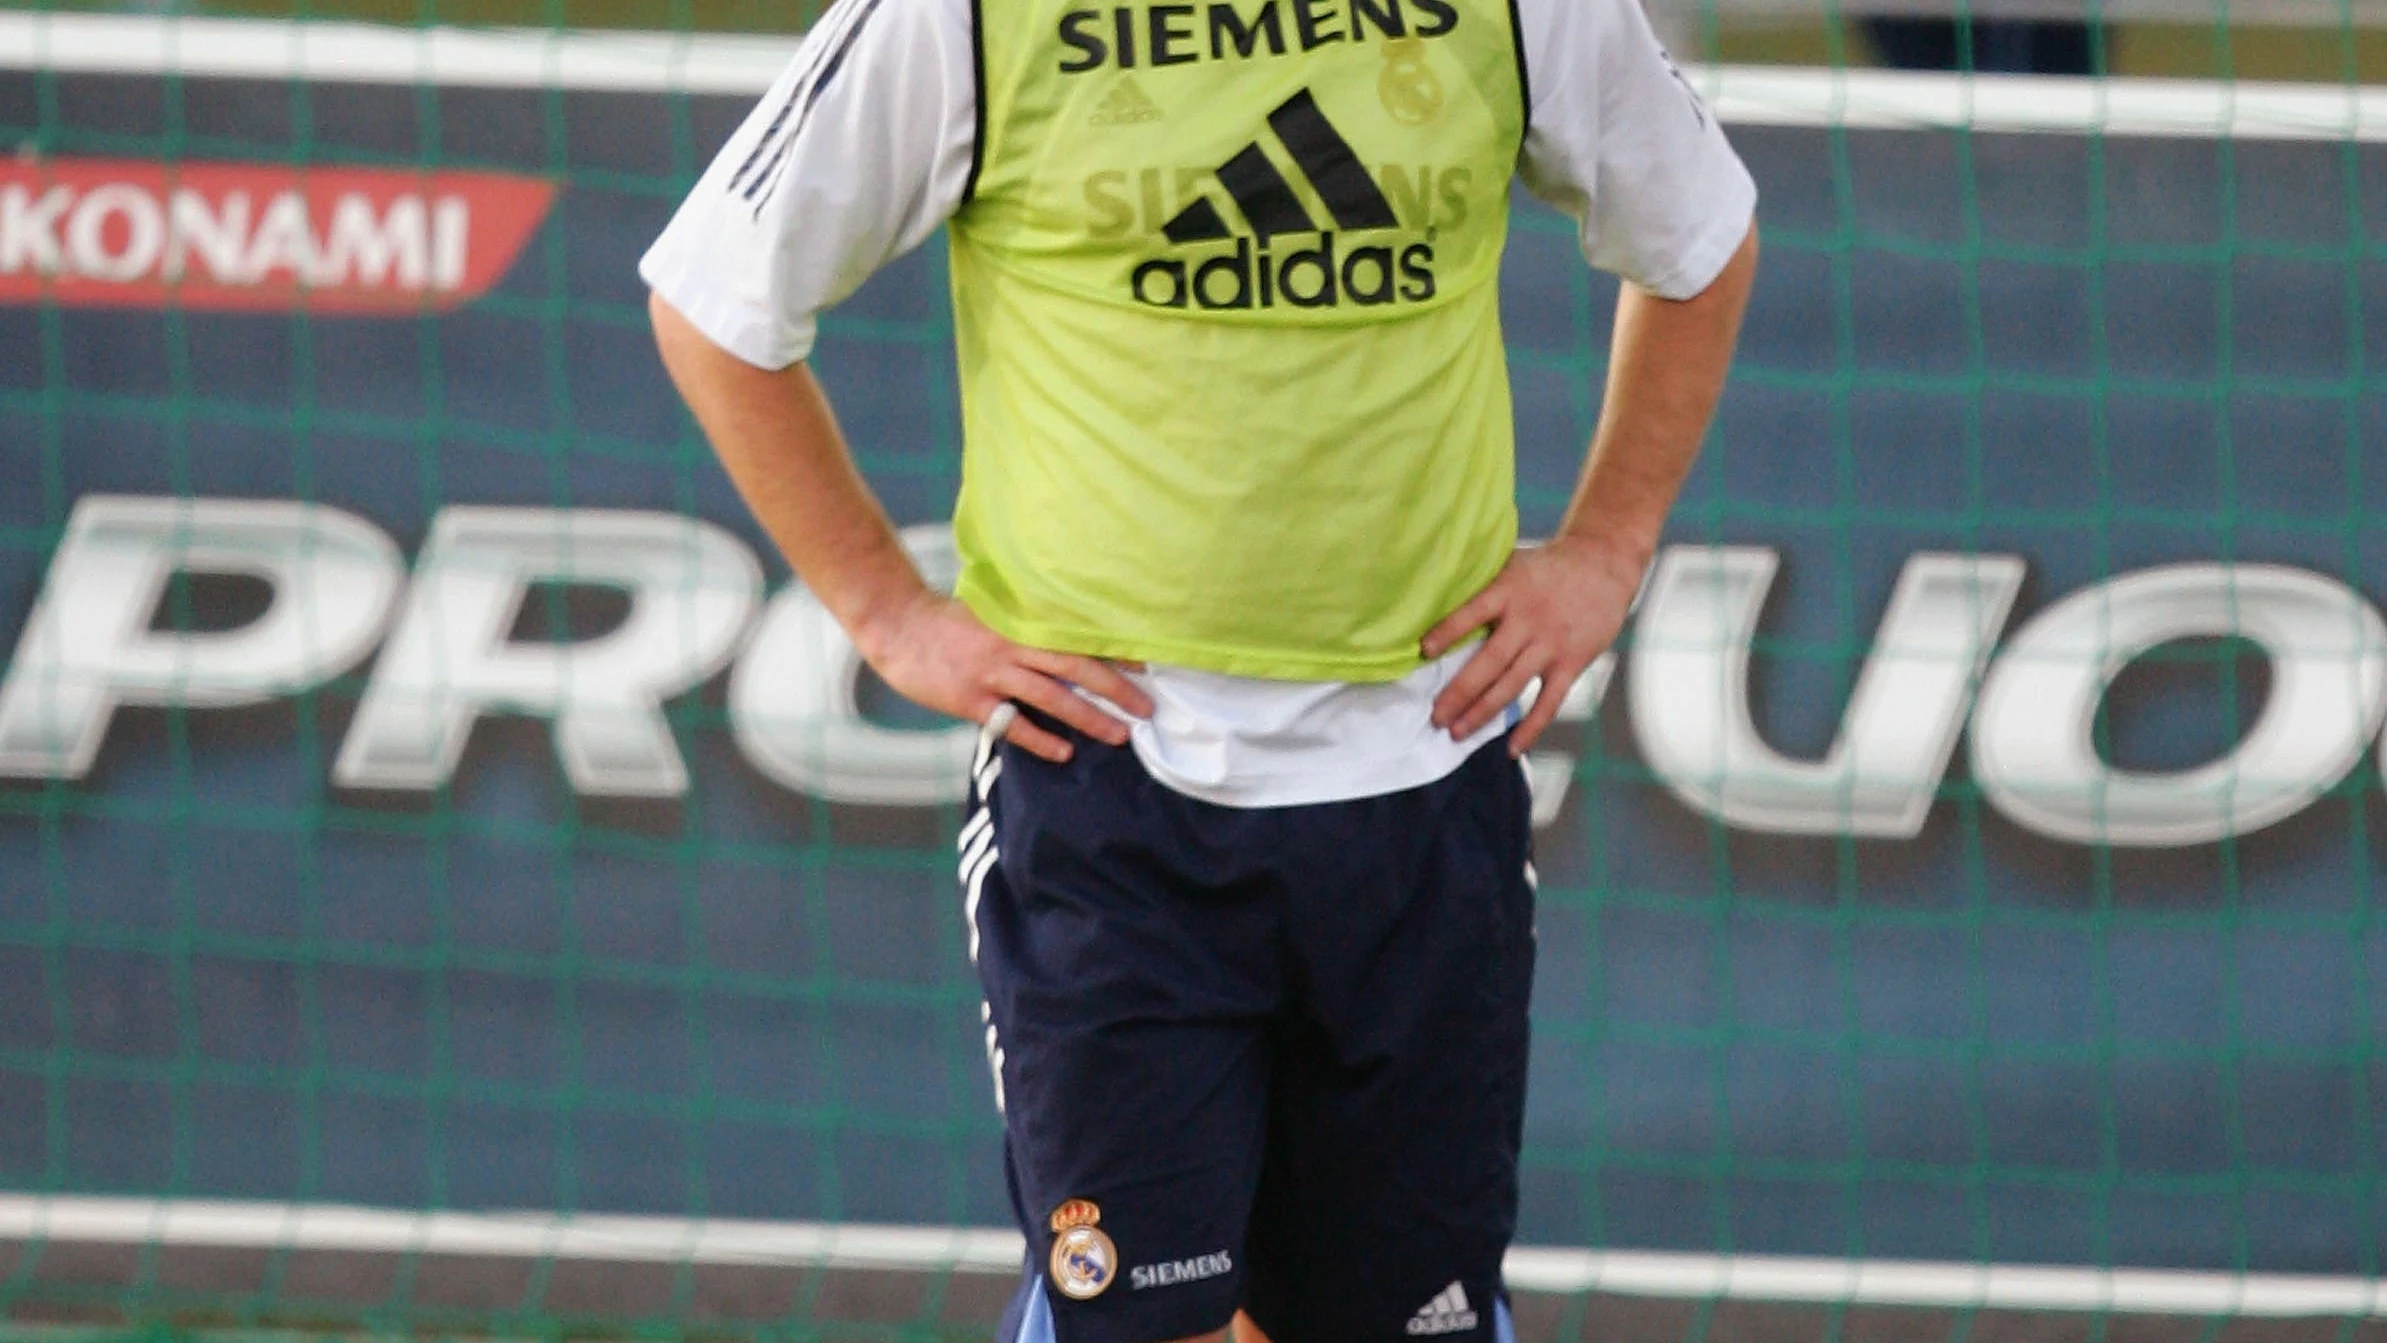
[(854, 157), (779, 442)]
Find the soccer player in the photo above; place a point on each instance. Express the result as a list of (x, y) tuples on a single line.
[(1240, 605)]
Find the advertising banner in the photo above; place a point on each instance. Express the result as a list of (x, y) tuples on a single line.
[(420, 785)]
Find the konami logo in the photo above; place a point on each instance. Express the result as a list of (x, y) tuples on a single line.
[(130, 233)]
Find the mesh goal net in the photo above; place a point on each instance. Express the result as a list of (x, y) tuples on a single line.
[(451, 882)]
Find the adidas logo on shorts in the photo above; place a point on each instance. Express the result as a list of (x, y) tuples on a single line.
[(1447, 1313)]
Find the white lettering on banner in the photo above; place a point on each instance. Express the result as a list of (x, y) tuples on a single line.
[(693, 590), (362, 249), (451, 231), (1690, 693), (216, 235), (29, 229), (123, 232), (2034, 753), (143, 227), (695, 595), (284, 241), (793, 711), (1551, 774), (88, 646), (219, 235)]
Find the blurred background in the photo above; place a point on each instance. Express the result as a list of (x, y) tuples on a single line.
[(452, 883), (2323, 40)]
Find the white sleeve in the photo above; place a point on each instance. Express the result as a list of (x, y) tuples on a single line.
[(1618, 139), (861, 148)]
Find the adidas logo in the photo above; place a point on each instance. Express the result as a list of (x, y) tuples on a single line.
[(1447, 1313), (1312, 277), (1125, 105), (1266, 198)]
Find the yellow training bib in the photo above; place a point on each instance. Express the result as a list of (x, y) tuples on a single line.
[(1226, 304)]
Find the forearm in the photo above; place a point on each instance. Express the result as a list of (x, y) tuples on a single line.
[(781, 446), (1666, 368)]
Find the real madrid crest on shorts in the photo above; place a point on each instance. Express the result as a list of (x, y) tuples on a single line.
[(1084, 1260)]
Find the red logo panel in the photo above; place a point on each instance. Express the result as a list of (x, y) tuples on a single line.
[(254, 237)]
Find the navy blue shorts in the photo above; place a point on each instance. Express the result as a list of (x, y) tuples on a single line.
[(1268, 1059)]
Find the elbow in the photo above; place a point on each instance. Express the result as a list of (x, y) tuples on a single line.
[(689, 357), (665, 321), (684, 343), (1720, 280), (1731, 285), (1744, 261), (1741, 269), (681, 343)]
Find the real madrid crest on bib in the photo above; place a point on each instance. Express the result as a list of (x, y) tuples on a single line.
[(1411, 92), (1084, 1260)]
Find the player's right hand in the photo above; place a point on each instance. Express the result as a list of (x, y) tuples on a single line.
[(935, 653)]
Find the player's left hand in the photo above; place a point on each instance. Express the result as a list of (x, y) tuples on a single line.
[(1554, 609)]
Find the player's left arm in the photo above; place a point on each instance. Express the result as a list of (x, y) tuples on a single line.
[(1557, 606), (1619, 139)]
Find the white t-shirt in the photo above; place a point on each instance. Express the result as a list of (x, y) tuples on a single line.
[(864, 146)]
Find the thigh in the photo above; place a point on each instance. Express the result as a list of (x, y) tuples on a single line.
[(1390, 1186), (1125, 1027)]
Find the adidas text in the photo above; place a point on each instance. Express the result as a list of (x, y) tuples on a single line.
[(1252, 276), (1304, 277), (1447, 1313), (1180, 1271)]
